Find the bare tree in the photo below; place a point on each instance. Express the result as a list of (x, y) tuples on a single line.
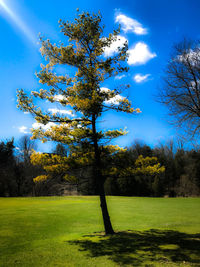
[(25, 146), (181, 88)]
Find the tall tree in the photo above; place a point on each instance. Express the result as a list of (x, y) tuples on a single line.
[(181, 89), (82, 93)]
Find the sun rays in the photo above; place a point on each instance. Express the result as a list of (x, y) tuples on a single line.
[(18, 22)]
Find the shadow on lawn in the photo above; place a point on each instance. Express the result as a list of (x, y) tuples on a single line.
[(137, 248)]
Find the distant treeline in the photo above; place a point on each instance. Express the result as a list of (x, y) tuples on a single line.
[(180, 178)]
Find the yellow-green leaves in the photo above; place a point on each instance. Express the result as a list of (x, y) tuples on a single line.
[(84, 52), (82, 93), (148, 166), (40, 178), (58, 165), (115, 133)]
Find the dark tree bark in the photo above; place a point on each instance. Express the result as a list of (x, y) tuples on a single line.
[(106, 218), (100, 182)]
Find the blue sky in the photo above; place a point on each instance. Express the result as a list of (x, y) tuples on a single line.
[(151, 28)]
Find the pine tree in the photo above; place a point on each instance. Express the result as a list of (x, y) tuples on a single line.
[(83, 94)]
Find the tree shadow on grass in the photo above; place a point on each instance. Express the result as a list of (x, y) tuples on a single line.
[(137, 248)]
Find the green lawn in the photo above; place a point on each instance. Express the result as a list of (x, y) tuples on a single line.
[(67, 231)]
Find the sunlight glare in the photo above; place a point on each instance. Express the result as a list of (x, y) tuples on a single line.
[(2, 2), (20, 24)]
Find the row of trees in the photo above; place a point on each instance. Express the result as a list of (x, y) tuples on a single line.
[(166, 170), (181, 176)]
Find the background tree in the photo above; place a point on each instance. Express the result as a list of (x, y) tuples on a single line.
[(25, 148), (166, 154), (149, 169), (61, 150), (24, 170), (7, 165), (83, 94), (135, 175), (181, 89)]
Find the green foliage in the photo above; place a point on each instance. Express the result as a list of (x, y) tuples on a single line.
[(134, 175)]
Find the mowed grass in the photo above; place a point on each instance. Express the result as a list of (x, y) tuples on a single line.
[(67, 231)]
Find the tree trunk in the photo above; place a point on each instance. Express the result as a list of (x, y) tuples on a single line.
[(100, 182), (106, 218)]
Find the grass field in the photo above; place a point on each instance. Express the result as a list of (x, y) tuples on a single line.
[(67, 231)]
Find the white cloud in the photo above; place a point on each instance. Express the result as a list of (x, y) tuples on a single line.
[(119, 77), (61, 111), (23, 129), (114, 100), (138, 78), (109, 51), (59, 97), (192, 55), (140, 54), (130, 25), (37, 125), (104, 90)]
